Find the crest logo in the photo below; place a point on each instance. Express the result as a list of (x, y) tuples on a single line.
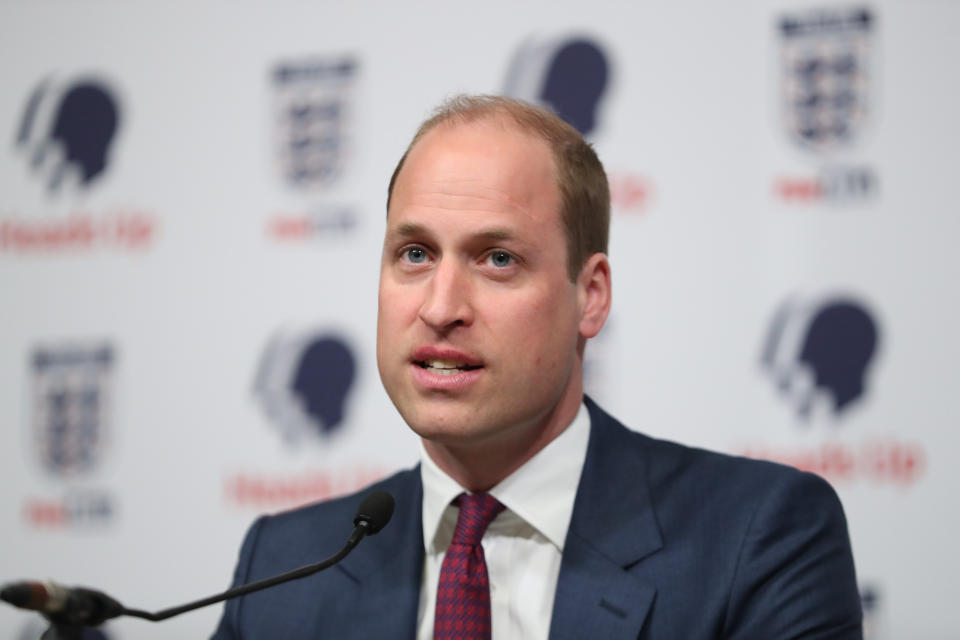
[(313, 100), (821, 353), (71, 406), (302, 383), (567, 76), (67, 130), (826, 76)]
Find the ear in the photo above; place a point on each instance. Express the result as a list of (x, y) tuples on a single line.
[(594, 294)]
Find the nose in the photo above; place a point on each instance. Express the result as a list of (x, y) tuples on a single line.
[(447, 302)]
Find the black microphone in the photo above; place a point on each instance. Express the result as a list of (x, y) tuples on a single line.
[(374, 512), (78, 606), (86, 607)]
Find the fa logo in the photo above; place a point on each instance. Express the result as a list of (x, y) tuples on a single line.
[(71, 406), (313, 102), (826, 76)]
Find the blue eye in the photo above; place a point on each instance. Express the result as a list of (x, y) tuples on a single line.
[(501, 259), (416, 255)]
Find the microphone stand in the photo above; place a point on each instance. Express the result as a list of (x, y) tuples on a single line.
[(63, 628), (236, 592), (83, 608)]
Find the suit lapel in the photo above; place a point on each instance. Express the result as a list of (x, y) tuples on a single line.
[(388, 566), (613, 527)]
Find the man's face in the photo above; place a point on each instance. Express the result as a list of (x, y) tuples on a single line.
[(478, 321)]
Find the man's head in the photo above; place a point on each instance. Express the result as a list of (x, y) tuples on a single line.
[(579, 174), (484, 308)]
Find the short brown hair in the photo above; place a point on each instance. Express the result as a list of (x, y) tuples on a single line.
[(584, 192)]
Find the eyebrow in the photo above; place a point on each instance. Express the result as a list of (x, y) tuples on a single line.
[(413, 229), (408, 229)]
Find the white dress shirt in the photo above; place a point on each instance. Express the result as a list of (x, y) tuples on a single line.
[(523, 546)]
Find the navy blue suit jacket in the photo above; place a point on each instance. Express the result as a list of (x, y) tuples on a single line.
[(665, 542)]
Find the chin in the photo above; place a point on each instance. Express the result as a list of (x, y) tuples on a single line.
[(445, 424)]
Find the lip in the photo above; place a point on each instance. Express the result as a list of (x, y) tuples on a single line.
[(429, 381), (437, 353)]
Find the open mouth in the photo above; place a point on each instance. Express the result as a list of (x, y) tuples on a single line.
[(444, 367)]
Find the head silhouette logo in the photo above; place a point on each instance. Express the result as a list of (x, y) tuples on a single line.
[(303, 381), (826, 75), (567, 76), (819, 355), (67, 130)]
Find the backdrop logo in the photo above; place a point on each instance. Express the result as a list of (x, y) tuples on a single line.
[(313, 131), (820, 354), (826, 75), (66, 137), (303, 381), (570, 76), (567, 76), (826, 84), (66, 132), (821, 351), (71, 406), (313, 101)]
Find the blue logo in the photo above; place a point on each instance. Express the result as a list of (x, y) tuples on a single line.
[(72, 388), (303, 381), (313, 102), (567, 76), (821, 352), (826, 75), (67, 130)]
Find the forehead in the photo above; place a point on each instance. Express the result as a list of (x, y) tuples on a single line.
[(481, 166)]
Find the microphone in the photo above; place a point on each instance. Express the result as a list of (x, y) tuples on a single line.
[(374, 512), (64, 605), (80, 606)]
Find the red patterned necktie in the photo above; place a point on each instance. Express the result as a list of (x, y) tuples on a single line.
[(463, 595)]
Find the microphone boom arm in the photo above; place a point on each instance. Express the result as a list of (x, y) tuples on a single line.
[(358, 533), (71, 609)]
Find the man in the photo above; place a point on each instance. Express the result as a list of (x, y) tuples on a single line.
[(494, 275)]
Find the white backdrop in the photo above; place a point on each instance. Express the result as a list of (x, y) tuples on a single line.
[(161, 296)]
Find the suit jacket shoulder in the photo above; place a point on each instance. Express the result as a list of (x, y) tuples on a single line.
[(372, 593), (669, 541)]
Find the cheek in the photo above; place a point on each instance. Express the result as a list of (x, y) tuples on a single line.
[(544, 327), (394, 304), (388, 323)]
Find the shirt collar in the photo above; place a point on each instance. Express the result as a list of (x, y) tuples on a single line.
[(541, 492)]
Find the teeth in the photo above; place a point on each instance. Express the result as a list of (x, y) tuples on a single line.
[(444, 364), (443, 372)]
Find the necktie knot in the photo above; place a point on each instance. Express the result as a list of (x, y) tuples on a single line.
[(477, 511)]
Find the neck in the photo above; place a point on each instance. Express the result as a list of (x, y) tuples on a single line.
[(479, 466)]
